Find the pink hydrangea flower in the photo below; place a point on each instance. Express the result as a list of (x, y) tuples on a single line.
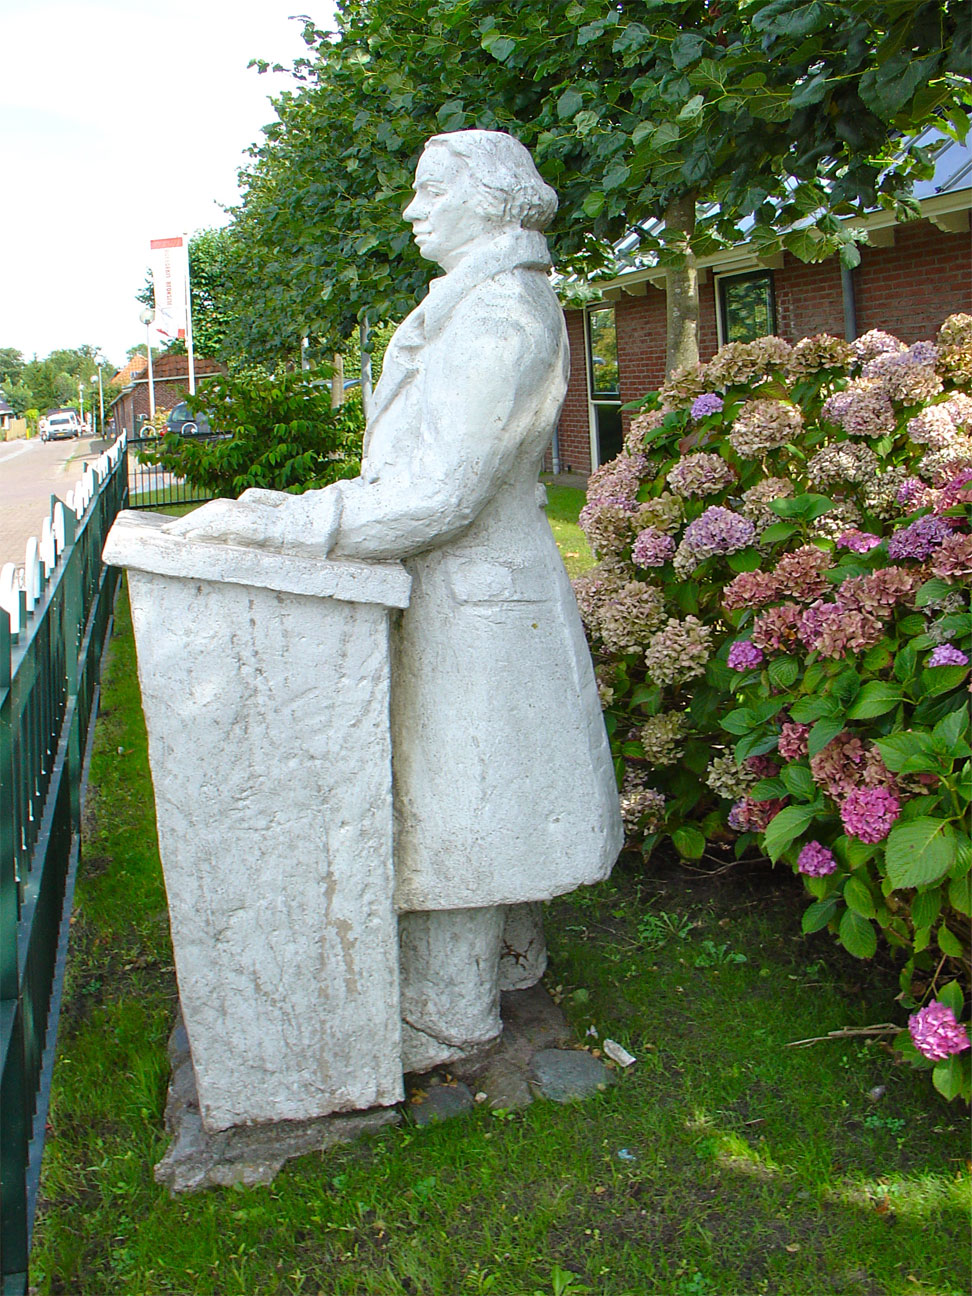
[(936, 1033), (748, 815), (652, 548), (869, 813), (947, 654), (793, 740), (815, 860), (744, 655), (857, 541), (749, 589)]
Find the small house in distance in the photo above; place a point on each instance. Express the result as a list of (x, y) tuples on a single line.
[(170, 380), (911, 277)]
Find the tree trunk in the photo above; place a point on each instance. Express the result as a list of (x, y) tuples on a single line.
[(682, 288), (337, 382)]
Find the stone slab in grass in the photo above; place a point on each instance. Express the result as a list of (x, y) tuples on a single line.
[(441, 1102), (249, 1154), (567, 1074)]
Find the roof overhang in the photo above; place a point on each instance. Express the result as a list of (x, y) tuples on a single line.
[(948, 212)]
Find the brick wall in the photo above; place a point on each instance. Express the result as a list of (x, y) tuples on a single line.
[(908, 289), (574, 433)]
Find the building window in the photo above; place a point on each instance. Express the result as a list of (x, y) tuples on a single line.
[(604, 386), (747, 307), (602, 349)]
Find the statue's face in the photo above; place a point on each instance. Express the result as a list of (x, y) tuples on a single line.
[(445, 214)]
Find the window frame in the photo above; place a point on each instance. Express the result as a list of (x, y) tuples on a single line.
[(721, 280), (601, 398)]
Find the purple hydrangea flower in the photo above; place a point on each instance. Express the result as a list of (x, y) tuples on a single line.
[(744, 655), (707, 403), (858, 541), (947, 654), (869, 813), (936, 1033), (719, 531), (815, 860), (919, 539), (910, 491), (652, 548)]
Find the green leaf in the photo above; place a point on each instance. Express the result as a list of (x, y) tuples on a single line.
[(778, 531), (920, 852), (569, 103), (798, 781), (823, 732), (952, 997), (805, 507), (768, 789), (933, 591), (785, 827), (689, 842), (818, 915), (950, 734), (807, 709), (960, 894), (783, 671), (858, 897), (942, 679), (739, 721), (900, 747), (925, 907), (692, 109), (857, 935), (948, 1077), (745, 560), (949, 943), (874, 699), (593, 204)]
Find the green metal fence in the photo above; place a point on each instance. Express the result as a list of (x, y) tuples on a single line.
[(51, 643)]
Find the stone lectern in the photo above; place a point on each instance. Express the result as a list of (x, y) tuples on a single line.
[(265, 686)]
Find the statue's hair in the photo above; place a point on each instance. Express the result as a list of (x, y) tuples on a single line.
[(503, 172)]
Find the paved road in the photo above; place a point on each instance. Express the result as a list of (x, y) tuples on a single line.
[(30, 472)]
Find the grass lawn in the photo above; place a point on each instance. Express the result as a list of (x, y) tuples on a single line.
[(722, 1162), (564, 503)]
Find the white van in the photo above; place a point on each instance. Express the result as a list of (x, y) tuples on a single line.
[(61, 424)]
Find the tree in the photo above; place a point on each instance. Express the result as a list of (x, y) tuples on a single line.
[(710, 116), (11, 365)]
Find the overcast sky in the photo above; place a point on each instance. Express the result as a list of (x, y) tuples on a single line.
[(121, 121)]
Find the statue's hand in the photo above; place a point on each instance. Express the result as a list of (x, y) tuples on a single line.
[(301, 524), (222, 521)]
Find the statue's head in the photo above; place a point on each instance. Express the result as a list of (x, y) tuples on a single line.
[(471, 186)]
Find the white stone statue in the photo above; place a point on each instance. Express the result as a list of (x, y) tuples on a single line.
[(504, 791)]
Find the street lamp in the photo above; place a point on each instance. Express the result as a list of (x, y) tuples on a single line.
[(147, 317), (99, 361)]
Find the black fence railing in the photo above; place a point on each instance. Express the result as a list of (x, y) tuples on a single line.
[(52, 635), (150, 486)]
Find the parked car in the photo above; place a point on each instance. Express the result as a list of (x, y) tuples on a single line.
[(60, 425), (187, 424)]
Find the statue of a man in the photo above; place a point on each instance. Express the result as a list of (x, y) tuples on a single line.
[(503, 782)]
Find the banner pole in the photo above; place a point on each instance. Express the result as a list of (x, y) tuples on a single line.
[(192, 362)]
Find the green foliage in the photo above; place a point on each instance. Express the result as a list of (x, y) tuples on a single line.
[(627, 111), (275, 431), (790, 669)]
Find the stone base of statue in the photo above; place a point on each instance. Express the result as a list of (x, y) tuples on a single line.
[(265, 687)]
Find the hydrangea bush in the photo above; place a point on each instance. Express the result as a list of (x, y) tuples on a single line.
[(780, 621)]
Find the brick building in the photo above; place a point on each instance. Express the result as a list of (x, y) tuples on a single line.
[(911, 277), (171, 382)]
